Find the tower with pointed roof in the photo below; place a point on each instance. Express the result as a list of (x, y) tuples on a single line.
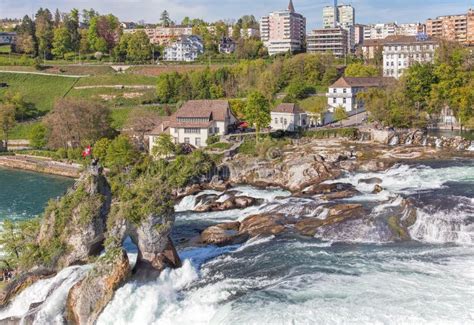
[(283, 31)]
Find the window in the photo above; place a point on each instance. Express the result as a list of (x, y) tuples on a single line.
[(210, 130), (186, 140), (281, 120), (334, 90), (344, 90), (276, 120), (198, 142), (192, 130), (216, 130), (286, 122), (344, 100), (334, 101)]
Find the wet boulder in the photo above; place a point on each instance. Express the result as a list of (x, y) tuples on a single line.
[(223, 234), (372, 180), (320, 189), (227, 201), (377, 189), (265, 224), (336, 214), (88, 298)]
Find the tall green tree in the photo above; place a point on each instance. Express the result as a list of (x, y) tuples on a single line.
[(257, 112), (164, 146), (7, 121), (361, 70), (61, 42), (44, 32), (165, 19), (26, 37)]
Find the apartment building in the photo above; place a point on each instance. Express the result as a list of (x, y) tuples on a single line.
[(325, 40), (379, 31), (164, 35), (283, 31), (343, 16), (458, 28), (400, 52), (185, 49), (7, 38)]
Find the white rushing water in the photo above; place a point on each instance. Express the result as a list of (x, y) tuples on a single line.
[(351, 276)]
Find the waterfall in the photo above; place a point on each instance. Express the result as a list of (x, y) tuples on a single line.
[(394, 141), (439, 143), (471, 147)]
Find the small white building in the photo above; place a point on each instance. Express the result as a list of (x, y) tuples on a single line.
[(345, 90), (195, 122), (186, 48), (288, 117)]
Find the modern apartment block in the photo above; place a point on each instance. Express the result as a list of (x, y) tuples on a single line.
[(164, 35), (381, 31), (7, 38), (325, 40), (283, 31), (185, 49), (459, 28), (345, 16), (400, 52)]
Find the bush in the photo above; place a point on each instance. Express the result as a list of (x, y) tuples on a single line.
[(219, 145), (351, 133), (37, 136), (213, 139)]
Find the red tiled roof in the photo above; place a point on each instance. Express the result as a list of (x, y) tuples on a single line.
[(217, 109), (287, 108), (163, 127)]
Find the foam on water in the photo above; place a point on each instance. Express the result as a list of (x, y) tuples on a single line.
[(404, 179), (52, 291)]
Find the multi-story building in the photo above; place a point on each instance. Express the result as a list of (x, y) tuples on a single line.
[(400, 52), (326, 40), (195, 122), (459, 28), (245, 32), (344, 16), (283, 31), (371, 48), (7, 38), (379, 31), (358, 34), (164, 35), (343, 93), (186, 48), (412, 29), (341, 16)]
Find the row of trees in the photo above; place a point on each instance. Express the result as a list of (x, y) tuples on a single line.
[(65, 35), (426, 90), (299, 75)]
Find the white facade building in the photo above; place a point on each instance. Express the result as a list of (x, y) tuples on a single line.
[(186, 48), (195, 122), (288, 117), (345, 90), (379, 31), (400, 52)]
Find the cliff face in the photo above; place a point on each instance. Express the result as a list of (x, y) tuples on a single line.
[(90, 221)]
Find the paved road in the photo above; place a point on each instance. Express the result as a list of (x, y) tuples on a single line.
[(45, 74)]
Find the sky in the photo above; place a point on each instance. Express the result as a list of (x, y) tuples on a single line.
[(367, 11)]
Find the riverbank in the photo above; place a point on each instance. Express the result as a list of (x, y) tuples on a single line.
[(41, 165)]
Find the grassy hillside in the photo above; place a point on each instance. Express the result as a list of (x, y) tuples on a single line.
[(117, 79), (37, 89)]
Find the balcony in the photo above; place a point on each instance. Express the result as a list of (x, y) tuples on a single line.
[(339, 95)]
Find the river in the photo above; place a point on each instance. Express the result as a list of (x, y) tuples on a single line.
[(350, 276), (25, 194)]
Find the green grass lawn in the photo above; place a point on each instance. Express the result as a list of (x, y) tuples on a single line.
[(37, 89), (5, 49), (117, 79), (21, 130)]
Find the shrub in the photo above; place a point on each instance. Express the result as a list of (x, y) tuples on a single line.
[(37, 136), (213, 139)]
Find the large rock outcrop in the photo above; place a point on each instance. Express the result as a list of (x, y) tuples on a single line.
[(88, 298)]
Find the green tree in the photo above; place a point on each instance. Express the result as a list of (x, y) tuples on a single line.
[(38, 136), (164, 146), (340, 114), (361, 70), (165, 19), (61, 42), (26, 41), (100, 149), (121, 153), (44, 32), (139, 48), (257, 112), (418, 81), (7, 121)]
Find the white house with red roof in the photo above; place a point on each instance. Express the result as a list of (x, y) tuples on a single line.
[(288, 117), (195, 122)]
